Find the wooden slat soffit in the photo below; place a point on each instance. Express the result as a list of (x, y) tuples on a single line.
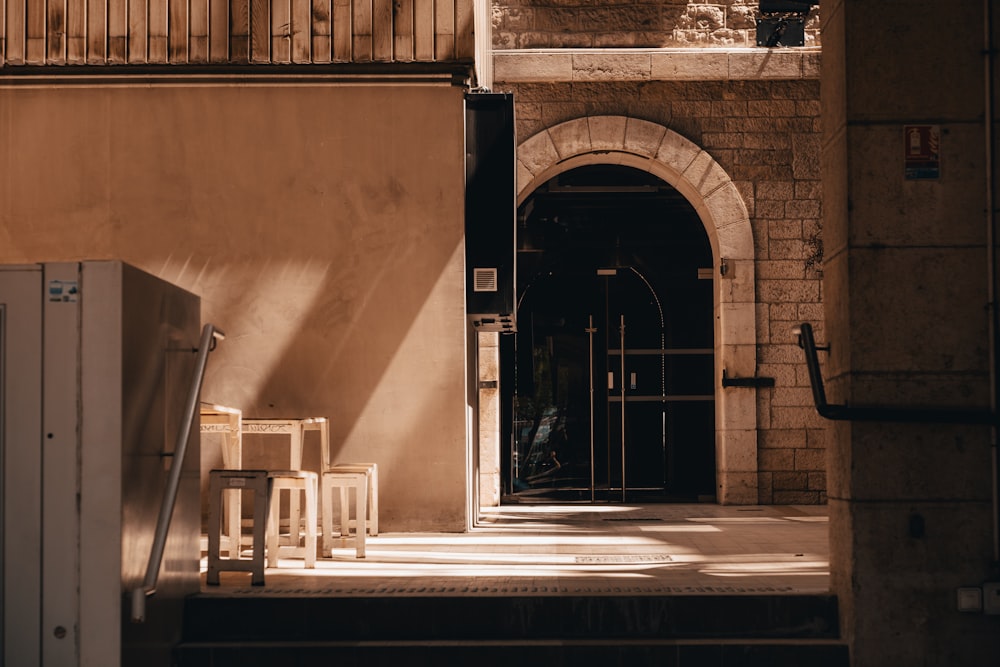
[(184, 32)]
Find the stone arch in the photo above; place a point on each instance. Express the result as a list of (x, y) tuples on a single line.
[(706, 185)]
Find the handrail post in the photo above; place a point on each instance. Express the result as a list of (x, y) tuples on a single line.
[(209, 334), (807, 342)]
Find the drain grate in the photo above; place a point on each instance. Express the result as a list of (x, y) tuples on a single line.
[(622, 558), (500, 590)]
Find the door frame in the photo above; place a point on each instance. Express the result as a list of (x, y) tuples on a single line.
[(706, 185)]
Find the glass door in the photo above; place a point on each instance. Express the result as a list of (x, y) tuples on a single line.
[(551, 449), (633, 402), (659, 399), (611, 404), (590, 421)]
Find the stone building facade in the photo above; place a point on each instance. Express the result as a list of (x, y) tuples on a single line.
[(757, 116), (528, 24), (330, 248)]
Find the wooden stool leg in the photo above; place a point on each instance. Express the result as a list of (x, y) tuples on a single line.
[(233, 504), (273, 532), (310, 522), (294, 511), (294, 517), (326, 490), (345, 511), (373, 499), (261, 502), (214, 530), (361, 508)]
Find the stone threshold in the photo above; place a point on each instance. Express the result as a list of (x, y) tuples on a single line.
[(708, 64)]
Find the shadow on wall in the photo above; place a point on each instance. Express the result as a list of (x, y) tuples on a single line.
[(329, 249)]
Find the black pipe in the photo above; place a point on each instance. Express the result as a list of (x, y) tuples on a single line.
[(989, 57), (883, 413)]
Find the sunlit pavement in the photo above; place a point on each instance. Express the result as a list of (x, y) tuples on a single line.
[(654, 549)]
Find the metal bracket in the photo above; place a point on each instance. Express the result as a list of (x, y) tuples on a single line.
[(754, 382)]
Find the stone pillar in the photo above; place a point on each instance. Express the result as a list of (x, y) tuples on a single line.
[(905, 294), (489, 419)]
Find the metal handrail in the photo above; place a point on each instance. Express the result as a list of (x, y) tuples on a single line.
[(209, 336), (884, 413)]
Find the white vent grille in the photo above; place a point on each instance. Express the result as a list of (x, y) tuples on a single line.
[(484, 280)]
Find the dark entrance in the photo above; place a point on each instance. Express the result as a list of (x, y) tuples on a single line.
[(609, 379)]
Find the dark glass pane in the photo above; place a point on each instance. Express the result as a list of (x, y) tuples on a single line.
[(616, 251)]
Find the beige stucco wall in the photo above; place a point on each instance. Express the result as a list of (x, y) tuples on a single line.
[(322, 226)]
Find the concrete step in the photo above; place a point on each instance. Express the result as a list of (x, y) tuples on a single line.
[(268, 618), (672, 631), (526, 653)]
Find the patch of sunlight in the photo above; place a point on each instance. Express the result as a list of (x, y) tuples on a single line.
[(750, 558), (263, 318), (680, 528), (532, 528), (560, 509), (472, 539), (347, 570), (782, 568), (592, 562), (411, 412), (737, 519)]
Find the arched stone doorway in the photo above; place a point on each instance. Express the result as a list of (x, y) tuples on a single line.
[(646, 146)]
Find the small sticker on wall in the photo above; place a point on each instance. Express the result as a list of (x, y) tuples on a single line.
[(921, 152), (65, 291)]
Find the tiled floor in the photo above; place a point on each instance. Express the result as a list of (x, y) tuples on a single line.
[(577, 549)]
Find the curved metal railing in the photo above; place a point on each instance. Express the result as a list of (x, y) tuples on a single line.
[(209, 336)]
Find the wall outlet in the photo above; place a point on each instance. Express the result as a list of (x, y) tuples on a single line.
[(970, 600), (991, 597)]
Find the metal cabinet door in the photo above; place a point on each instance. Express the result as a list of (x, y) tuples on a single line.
[(20, 463)]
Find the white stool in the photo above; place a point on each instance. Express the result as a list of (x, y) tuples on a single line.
[(371, 470), (237, 481), (295, 481), (225, 421), (345, 480)]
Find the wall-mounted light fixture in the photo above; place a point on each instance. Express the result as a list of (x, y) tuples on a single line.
[(782, 22)]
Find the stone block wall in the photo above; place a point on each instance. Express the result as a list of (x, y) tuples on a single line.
[(765, 134), (548, 24)]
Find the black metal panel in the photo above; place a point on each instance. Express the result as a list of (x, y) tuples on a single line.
[(490, 208), (781, 32), (802, 6)]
